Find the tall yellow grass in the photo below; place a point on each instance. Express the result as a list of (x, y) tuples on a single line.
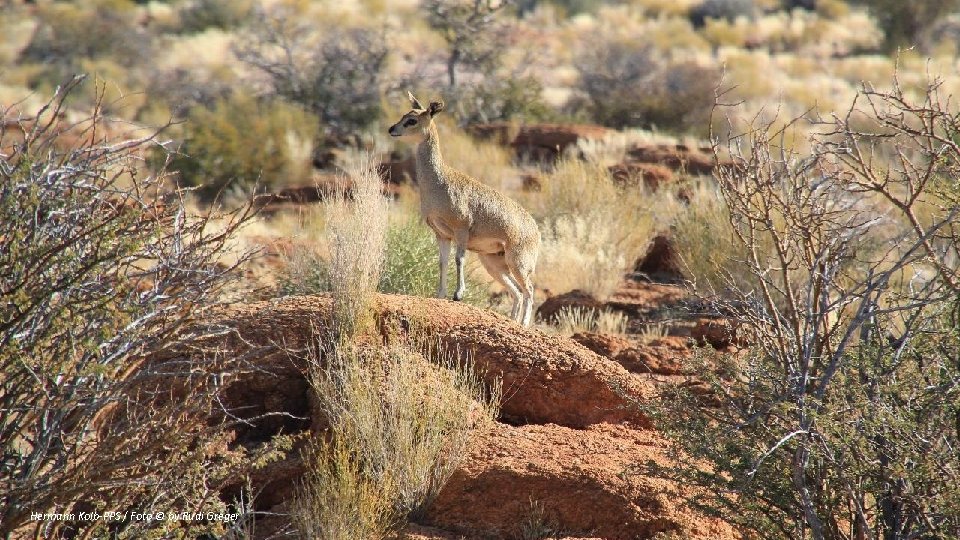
[(594, 230)]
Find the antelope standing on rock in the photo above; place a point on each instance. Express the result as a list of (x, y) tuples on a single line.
[(473, 215)]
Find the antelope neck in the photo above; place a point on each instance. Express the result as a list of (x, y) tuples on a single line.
[(428, 153)]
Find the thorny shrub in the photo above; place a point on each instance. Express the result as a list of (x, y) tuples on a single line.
[(840, 421), (100, 269)]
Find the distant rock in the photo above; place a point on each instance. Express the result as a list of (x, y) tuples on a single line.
[(537, 142)]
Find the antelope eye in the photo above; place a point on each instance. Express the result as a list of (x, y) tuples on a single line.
[(410, 122)]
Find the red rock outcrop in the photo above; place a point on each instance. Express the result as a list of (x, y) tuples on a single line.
[(576, 298), (661, 261), (661, 356), (643, 300), (651, 175), (546, 378), (538, 142), (678, 157)]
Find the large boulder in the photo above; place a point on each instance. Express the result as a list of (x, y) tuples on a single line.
[(651, 175), (550, 309), (678, 157), (398, 170)]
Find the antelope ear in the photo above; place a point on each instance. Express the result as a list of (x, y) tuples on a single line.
[(413, 101), (435, 107)]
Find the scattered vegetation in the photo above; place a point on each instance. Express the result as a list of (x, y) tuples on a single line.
[(630, 84), (401, 413), (588, 225), (709, 252), (410, 266), (469, 29), (831, 241), (516, 97), (721, 9), (199, 15), (904, 23), (68, 33), (333, 71)]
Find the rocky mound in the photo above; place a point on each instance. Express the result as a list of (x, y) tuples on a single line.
[(553, 479), (546, 379), (560, 461)]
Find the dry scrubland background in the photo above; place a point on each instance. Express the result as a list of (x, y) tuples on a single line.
[(264, 93), (817, 233)]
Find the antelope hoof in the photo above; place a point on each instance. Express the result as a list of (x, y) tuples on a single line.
[(457, 296)]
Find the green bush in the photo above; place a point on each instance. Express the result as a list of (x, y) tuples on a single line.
[(504, 98), (68, 32), (245, 142), (410, 266), (198, 15), (180, 90), (412, 263), (903, 22), (632, 84), (574, 7), (721, 9)]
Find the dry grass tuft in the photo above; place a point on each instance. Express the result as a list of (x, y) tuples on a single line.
[(571, 320), (337, 501), (401, 418), (707, 247), (653, 331), (356, 233), (580, 252)]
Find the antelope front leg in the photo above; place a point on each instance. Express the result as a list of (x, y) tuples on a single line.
[(461, 281), (444, 258)]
